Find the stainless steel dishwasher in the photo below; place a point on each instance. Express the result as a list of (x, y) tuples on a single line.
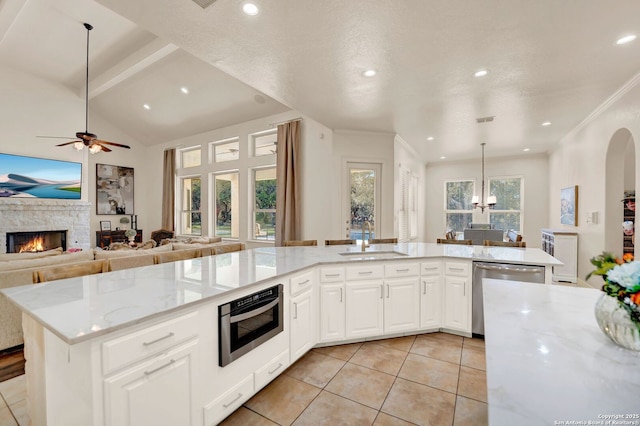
[(499, 271)]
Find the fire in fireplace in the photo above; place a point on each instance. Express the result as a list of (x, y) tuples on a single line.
[(21, 242)]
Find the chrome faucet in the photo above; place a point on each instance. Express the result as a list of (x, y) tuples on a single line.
[(364, 243)]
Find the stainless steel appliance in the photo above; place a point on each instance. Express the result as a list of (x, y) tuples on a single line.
[(499, 271), (245, 323)]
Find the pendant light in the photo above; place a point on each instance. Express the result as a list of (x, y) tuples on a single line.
[(491, 200)]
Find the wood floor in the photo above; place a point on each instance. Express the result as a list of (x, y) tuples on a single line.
[(11, 363)]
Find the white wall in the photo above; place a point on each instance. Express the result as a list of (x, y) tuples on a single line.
[(581, 159), (316, 155), (31, 106), (365, 147), (533, 168)]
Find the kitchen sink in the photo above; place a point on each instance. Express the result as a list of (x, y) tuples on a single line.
[(372, 254)]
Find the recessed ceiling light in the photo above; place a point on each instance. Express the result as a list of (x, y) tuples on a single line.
[(250, 9), (526, 150), (480, 73), (146, 106), (184, 90), (430, 138), (443, 157), (369, 73), (626, 39), (546, 123)]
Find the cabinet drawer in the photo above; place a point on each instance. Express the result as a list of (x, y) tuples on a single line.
[(139, 345), (430, 268), (331, 275), (460, 269), (396, 270), (227, 403), (301, 282), (365, 272), (271, 370)]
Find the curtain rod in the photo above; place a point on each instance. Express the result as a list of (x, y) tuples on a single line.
[(286, 121)]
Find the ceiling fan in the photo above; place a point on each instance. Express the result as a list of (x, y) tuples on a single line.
[(90, 140)]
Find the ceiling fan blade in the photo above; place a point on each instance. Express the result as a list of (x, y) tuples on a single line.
[(67, 143), (57, 137), (104, 148), (112, 143)]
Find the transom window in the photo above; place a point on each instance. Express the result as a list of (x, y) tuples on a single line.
[(190, 157), (225, 150), (264, 143)]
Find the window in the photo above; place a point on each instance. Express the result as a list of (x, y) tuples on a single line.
[(264, 143), (363, 199), (190, 218), (226, 202), (225, 150), (190, 157), (458, 207), (264, 194), (507, 213)]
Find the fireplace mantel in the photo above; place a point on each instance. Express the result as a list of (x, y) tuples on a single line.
[(24, 215)]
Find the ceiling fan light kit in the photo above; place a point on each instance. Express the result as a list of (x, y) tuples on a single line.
[(90, 140)]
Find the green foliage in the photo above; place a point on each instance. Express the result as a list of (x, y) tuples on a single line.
[(507, 191), (603, 263), (266, 194), (362, 195), (459, 195)]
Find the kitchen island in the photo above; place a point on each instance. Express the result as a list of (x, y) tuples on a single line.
[(141, 345), (548, 362)]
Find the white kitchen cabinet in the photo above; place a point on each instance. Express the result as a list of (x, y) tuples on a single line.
[(401, 304), (157, 391), (364, 309), (457, 296), (227, 403), (430, 295), (332, 312), (303, 329), (563, 245)]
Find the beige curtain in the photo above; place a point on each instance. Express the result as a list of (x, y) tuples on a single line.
[(168, 189), (288, 183)]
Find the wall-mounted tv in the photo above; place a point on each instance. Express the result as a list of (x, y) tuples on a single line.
[(30, 177)]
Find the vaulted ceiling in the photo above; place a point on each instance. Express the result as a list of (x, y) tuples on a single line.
[(546, 60)]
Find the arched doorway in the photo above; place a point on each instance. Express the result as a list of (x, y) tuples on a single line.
[(620, 176)]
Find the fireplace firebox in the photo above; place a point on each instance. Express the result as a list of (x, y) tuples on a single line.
[(21, 242)]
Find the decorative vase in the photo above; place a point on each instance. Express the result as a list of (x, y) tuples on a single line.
[(614, 321)]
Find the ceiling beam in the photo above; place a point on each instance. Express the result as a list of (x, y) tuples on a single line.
[(132, 64), (9, 10)]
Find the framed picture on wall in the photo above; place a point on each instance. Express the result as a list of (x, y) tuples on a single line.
[(569, 205), (114, 189), (105, 225)]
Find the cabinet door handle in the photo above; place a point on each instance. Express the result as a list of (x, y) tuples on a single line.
[(456, 269), (340, 294), (148, 373), (303, 282), (425, 287), (402, 270), (295, 311), (331, 275), (381, 291), (464, 289), (276, 369), (387, 291), (171, 334), (365, 272), (433, 268), (234, 400)]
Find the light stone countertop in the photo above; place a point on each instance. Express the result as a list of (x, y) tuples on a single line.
[(548, 362), (78, 309)]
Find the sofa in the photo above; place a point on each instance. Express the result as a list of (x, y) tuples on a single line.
[(17, 269)]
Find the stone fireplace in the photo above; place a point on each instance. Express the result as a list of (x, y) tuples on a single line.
[(19, 215)]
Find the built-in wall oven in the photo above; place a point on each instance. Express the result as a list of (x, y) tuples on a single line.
[(249, 321)]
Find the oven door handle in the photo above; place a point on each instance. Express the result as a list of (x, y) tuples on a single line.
[(250, 314)]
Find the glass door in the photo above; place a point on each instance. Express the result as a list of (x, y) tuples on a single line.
[(362, 199)]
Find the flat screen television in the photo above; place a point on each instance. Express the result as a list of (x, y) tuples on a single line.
[(31, 177)]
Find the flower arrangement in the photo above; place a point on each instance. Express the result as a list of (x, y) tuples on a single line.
[(130, 233), (621, 281)]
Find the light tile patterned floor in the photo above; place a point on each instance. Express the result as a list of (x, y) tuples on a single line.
[(429, 379)]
